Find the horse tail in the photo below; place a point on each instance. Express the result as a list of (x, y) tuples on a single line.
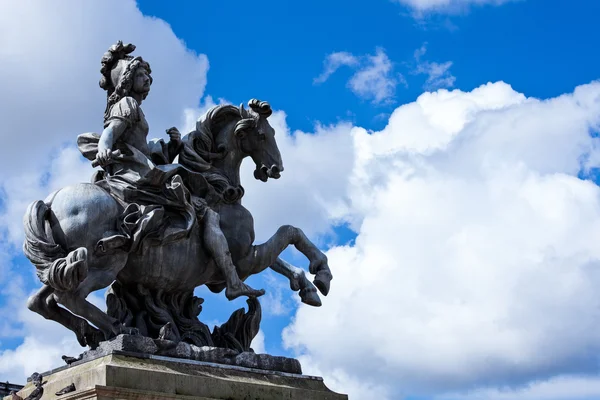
[(55, 266)]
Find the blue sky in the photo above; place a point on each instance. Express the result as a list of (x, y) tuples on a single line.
[(541, 47), (436, 149)]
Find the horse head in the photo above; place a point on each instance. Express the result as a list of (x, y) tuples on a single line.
[(227, 135), (256, 138)]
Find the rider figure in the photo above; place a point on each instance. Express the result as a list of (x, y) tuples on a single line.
[(140, 174)]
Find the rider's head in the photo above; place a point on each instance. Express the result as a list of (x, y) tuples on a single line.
[(123, 75)]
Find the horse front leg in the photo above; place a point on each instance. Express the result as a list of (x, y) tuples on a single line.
[(298, 282), (265, 255)]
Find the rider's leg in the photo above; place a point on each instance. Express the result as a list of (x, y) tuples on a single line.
[(216, 244)]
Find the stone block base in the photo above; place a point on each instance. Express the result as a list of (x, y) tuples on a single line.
[(123, 376)]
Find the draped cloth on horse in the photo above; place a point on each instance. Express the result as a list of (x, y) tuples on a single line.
[(161, 201)]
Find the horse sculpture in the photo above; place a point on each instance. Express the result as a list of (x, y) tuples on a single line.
[(152, 281)]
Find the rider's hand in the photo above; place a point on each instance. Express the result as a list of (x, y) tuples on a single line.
[(174, 135), (103, 157)]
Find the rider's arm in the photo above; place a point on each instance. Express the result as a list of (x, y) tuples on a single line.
[(113, 131), (111, 134), (124, 114), (175, 144)]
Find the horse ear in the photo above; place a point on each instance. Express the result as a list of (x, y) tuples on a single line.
[(243, 112)]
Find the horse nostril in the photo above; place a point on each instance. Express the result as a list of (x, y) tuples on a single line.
[(230, 192), (275, 169)]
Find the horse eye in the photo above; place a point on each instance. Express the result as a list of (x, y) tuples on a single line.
[(261, 136)]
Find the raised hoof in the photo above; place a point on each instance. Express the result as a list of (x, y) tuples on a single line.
[(310, 297), (322, 281)]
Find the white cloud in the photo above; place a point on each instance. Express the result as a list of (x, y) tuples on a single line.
[(333, 62), (258, 343), (476, 262), (35, 356), (374, 77), (558, 388), (277, 301), (438, 75), (446, 6), (375, 81), (339, 381)]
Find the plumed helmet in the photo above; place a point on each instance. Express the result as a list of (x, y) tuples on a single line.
[(116, 62)]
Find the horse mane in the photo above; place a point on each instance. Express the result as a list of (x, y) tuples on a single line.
[(209, 129), (205, 144)]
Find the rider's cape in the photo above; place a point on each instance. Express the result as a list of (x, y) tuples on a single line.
[(157, 198)]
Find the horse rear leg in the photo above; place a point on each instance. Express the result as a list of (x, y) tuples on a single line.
[(97, 279), (79, 305), (43, 303)]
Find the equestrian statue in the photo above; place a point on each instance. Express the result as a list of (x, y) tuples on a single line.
[(160, 219)]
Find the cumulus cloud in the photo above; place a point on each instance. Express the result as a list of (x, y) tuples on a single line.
[(476, 262), (374, 78), (438, 74), (446, 6)]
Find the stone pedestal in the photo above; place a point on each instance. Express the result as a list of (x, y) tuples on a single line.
[(123, 375)]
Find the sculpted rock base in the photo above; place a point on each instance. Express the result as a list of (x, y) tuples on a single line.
[(144, 346), (120, 376)]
